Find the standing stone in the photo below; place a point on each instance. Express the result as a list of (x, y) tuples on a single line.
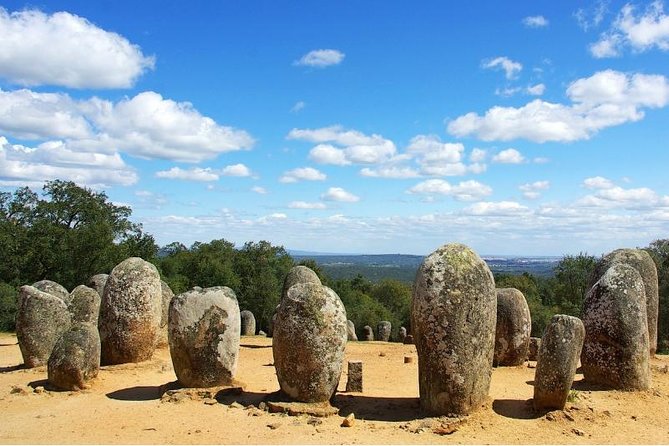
[(402, 335), (409, 340), (248, 323), (533, 352), (98, 282), (40, 320), (204, 329), (615, 350), (270, 328), (53, 288), (75, 359), (85, 305), (644, 264), (309, 342), (367, 333), (354, 381), (383, 329), (167, 295), (512, 331), (130, 312), (299, 274), (350, 331), (453, 316), (558, 358)]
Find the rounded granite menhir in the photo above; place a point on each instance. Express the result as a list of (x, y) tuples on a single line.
[(75, 358), (453, 316), (248, 321), (512, 330), (383, 330)]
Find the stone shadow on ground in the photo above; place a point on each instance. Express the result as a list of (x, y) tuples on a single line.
[(583, 385), (12, 368), (517, 409), (142, 393), (254, 346), (379, 408)]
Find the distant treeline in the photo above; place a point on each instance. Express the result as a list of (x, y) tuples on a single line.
[(69, 234)]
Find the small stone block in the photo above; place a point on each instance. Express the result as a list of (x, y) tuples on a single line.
[(354, 383), (408, 359)]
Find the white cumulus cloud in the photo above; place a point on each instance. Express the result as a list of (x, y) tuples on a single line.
[(236, 170), (532, 191), (321, 58), (306, 205), (509, 156), (464, 191), (598, 183), (193, 174), (510, 68), (498, 208), (302, 174), (66, 50), (339, 194), (535, 21)]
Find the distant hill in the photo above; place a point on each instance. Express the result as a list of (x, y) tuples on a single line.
[(403, 266)]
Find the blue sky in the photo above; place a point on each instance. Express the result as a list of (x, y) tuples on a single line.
[(528, 127)]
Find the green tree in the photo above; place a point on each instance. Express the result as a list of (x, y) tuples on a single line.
[(659, 251), (572, 277), (395, 296)]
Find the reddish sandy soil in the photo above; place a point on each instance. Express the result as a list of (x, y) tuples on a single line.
[(124, 405)]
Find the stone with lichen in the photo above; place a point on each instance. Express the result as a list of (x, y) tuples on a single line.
[(299, 274), (85, 305), (248, 321), (453, 323), (383, 330), (367, 333), (350, 331), (53, 288), (512, 330), (98, 282), (167, 295), (75, 359)]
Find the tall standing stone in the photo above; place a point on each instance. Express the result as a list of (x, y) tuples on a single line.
[(75, 358), (402, 335), (167, 295), (533, 353), (248, 323), (644, 264), (299, 274), (383, 330), (367, 333), (453, 316), (350, 331), (98, 282), (41, 319), (615, 350), (130, 312), (513, 327), (558, 358), (85, 305), (309, 342), (204, 330), (53, 288)]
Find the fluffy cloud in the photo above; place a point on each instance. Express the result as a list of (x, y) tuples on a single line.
[(464, 191), (321, 58), (299, 106), (146, 125), (605, 99), (302, 174), (306, 205), (259, 190), (67, 50), (510, 68), (194, 174), (536, 21), (509, 156), (598, 183), (236, 170), (339, 194), (536, 90), (641, 32), (21, 166), (532, 191), (436, 157), (499, 208), (608, 195), (396, 172)]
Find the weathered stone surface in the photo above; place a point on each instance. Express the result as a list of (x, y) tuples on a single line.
[(558, 358), (56, 289), (350, 331), (533, 352), (354, 380), (309, 342), (98, 282), (615, 350), (248, 321), (130, 312), (453, 316), (75, 359), (402, 334), (299, 274), (367, 333), (409, 340), (383, 329), (85, 305), (272, 321), (167, 295), (40, 320), (204, 329), (512, 330), (644, 264)]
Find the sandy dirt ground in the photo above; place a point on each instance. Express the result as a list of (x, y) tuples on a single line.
[(124, 405)]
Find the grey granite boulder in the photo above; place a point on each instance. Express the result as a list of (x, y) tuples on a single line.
[(309, 342), (98, 282), (75, 358), (383, 330), (85, 305), (130, 312), (299, 274), (644, 264), (402, 335), (558, 358), (51, 287), (453, 317), (167, 295), (512, 330), (204, 329), (248, 323), (350, 331), (533, 351), (367, 333), (41, 318), (615, 350)]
